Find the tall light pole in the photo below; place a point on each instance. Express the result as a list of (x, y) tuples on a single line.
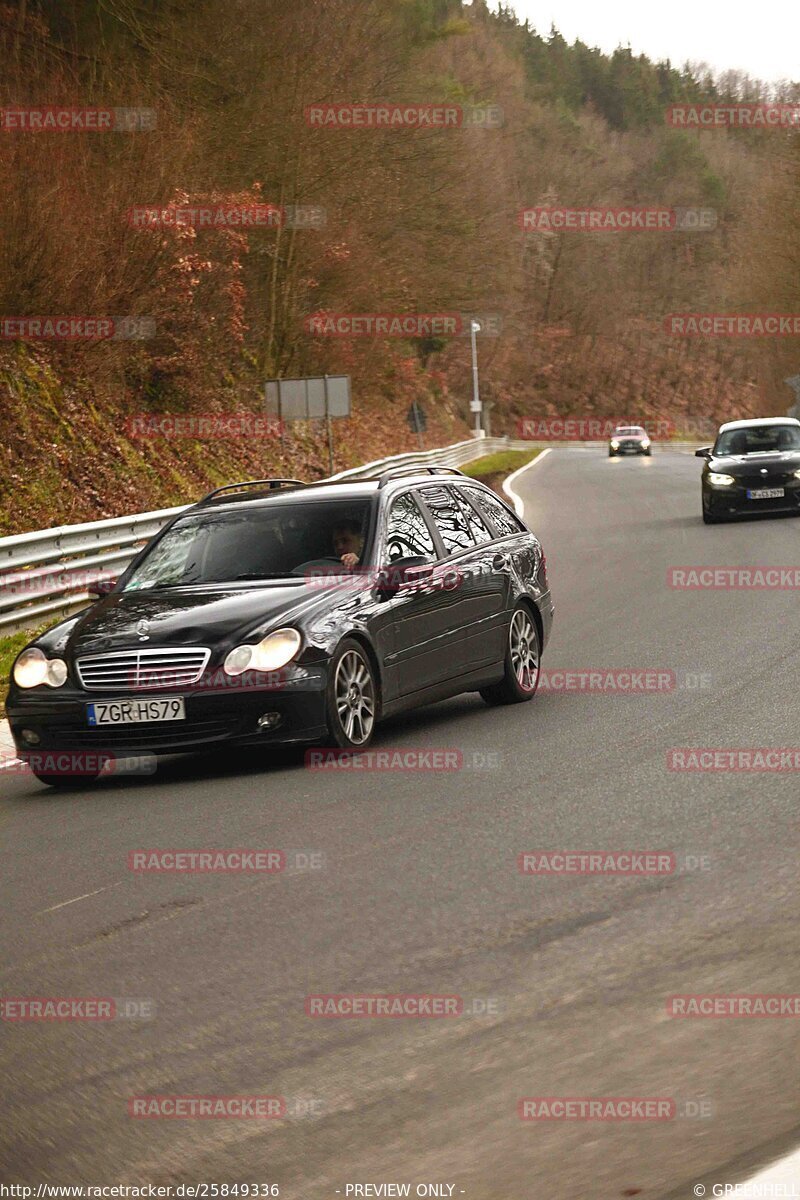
[(475, 406)]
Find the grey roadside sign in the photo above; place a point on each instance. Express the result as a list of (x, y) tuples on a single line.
[(316, 397)]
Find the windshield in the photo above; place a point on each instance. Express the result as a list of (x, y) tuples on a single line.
[(274, 542), (629, 431), (758, 439)]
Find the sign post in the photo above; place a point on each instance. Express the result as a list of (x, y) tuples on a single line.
[(475, 405)]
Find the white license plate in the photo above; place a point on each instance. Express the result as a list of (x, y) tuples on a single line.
[(135, 712), (764, 493)]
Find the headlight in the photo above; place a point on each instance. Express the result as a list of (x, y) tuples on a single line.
[(614, 444), (719, 480), (32, 668), (645, 442), (274, 652)]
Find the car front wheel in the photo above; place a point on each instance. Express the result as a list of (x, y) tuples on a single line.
[(709, 517), (521, 668), (352, 697)]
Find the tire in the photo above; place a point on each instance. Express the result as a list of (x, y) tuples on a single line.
[(64, 782), (709, 517), (612, 454), (351, 715), (648, 453), (512, 689)]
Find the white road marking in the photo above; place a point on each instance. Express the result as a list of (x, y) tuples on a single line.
[(516, 500), (781, 1179), (75, 899)]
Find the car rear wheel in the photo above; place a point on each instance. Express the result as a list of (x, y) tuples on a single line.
[(352, 697), (523, 652)]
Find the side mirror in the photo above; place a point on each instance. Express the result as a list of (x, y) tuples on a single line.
[(703, 452), (102, 587)]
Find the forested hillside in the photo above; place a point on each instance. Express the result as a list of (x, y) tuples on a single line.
[(372, 220)]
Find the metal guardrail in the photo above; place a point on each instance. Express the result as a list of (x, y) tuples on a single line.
[(46, 574)]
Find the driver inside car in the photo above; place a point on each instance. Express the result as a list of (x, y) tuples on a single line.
[(348, 543)]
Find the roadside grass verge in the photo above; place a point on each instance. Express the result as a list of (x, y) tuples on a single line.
[(494, 469), (505, 462)]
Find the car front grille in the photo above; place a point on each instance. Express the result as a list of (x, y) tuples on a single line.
[(129, 670), (767, 481)]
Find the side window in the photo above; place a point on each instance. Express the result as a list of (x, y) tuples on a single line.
[(407, 534), (449, 519), (477, 526), (504, 521)]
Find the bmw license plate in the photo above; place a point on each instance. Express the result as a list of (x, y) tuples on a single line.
[(764, 493), (134, 712)]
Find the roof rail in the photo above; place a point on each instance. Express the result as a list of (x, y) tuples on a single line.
[(397, 472), (271, 484)]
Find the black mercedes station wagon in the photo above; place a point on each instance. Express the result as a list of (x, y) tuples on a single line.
[(753, 467), (275, 611)]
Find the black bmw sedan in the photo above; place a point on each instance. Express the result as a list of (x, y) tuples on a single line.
[(280, 612), (753, 467)]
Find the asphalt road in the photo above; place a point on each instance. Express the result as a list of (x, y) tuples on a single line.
[(420, 893)]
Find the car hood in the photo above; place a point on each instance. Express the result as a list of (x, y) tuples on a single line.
[(193, 616), (753, 465)]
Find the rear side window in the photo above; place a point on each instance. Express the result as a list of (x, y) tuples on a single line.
[(477, 526), (504, 521), (449, 519), (407, 533)]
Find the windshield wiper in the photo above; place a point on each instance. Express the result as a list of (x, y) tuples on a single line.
[(256, 575)]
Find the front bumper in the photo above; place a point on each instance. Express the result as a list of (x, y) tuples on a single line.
[(733, 500), (222, 715)]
